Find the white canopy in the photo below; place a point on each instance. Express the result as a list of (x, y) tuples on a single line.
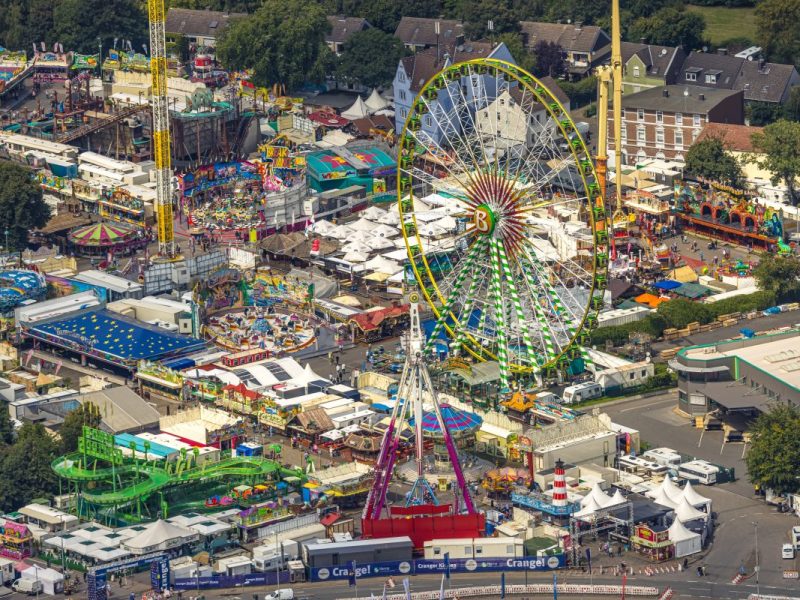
[(380, 243), (392, 217), (363, 224), (323, 227), (447, 222), (356, 246), (685, 512), (685, 541), (373, 213), (692, 497), (341, 232), (355, 257), (668, 487), (358, 110), (663, 499), (588, 509), (382, 265), (161, 533), (385, 231), (598, 495), (376, 102), (617, 498), (432, 230)]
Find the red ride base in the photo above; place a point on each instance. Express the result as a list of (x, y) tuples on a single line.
[(425, 522)]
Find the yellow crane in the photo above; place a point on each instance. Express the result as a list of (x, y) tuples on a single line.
[(161, 142), (610, 76)]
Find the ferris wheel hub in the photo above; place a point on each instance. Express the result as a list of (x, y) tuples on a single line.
[(484, 219)]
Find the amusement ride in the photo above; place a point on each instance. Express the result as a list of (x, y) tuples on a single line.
[(494, 148)]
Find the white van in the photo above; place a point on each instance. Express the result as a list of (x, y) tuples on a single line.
[(282, 594), (27, 586), (664, 456), (581, 392)]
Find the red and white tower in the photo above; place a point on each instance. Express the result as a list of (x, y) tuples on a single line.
[(559, 485)]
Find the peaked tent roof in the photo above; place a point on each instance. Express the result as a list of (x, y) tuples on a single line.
[(691, 495), (376, 102), (158, 533), (358, 110), (598, 495), (588, 509), (663, 499), (679, 533), (686, 512), (672, 491), (617, 498)]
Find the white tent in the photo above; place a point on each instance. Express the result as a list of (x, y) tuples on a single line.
[(363, 224), (685, 512), (447, 222), (685, 541), (663, 499), (355, 257), (385, 231), (668, 487), (373, 213), (380, 243), (588, 509), (159, 536), (341, 232), (356, 246), (432, 230), (695, 499), (52, 581), (381, 265), (358, 110), (323, 227), (392, 217), (376, 102), (617, 498), (598, 495)]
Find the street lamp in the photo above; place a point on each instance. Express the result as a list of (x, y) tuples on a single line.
[(758, 567), (8, 249)]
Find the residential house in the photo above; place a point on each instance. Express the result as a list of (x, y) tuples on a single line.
[(341, 29), (584, 46), (663, 122), (200, 27), (415, 70), (516, 118), (645, 66), (738, 141), (759, 80), (419, 33)]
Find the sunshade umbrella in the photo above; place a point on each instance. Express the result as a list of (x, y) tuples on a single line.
[(276, 448)]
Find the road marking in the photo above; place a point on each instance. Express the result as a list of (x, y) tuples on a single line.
[(640, 406)]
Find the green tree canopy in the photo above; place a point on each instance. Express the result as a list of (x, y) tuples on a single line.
[(6, 429), (25, 471), (774, 452), (370, 57), (513, 42), (282, 42), (504, 15), (708, 158), (21, 206), (72, 428), (780, 275), (779, 145), (680, 312), (777, 31), (79, 23), (670, 26), (549, 59)]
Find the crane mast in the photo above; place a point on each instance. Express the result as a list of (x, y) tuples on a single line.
[(161, 141)]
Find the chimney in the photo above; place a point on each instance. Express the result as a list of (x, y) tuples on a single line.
[(642, 40), (702, 97), (722, 51), (665, 93), (578, 25), (761, 63)]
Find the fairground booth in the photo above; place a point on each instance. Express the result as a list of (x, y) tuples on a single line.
[(729, 214), (371, 167), (52, 66)]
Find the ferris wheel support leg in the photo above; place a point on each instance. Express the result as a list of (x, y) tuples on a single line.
[(499, 318), (512, 289), (461, 336)]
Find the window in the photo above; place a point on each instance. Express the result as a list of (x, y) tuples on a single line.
[(640, 135), (624, 133), (711, 79), (644, 373), (401, 77), (429, 120), (678, 138), (695, 135), (678, 119), (635, 71), (660, 137), (402, 94), (691, 76), (478, 550), (437, 551), (509, 550), (697, 120), (631, 376), (659, 116), (640, 114), (622, 113)]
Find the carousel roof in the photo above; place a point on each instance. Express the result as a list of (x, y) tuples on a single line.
[(455, 420), (102, 234), (17, 286)]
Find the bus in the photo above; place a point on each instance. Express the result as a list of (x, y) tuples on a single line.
[(699, 471)]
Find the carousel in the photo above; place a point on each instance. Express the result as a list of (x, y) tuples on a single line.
[(501, 482), (462, 426), (100, 239), (18, 286), (260, 328)]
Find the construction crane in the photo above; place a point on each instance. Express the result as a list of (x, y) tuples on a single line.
[(610, 76), (161, 145)]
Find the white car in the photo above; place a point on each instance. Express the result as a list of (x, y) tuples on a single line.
[(787, 551)]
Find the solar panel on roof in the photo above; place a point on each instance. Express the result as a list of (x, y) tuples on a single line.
[(278, 371)]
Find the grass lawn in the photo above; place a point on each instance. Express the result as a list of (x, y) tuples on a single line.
[(723, 23)]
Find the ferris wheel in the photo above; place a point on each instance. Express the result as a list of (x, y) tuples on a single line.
[(503, 218)]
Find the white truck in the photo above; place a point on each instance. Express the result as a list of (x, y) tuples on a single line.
[(27, 586)]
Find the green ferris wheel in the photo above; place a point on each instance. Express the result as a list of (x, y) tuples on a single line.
[(503, 218)]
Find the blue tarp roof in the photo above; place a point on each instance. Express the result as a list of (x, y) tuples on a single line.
[(667, 284)]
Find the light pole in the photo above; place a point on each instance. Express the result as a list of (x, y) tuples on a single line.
[(6, 232), (758, 567)]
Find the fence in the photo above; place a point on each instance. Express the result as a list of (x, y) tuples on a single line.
[(536, 588), (232, 581)]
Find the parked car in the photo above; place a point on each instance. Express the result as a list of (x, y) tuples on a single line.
[(787, 551)]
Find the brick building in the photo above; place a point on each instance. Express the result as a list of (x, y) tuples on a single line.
[(663, 122)]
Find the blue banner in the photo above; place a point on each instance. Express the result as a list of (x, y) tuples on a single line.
[(446, 565), (224, 581)]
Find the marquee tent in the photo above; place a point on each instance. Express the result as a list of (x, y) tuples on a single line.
[(685, 541)]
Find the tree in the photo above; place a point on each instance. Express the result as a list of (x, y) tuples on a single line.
[(776, 29), (581, 92), (549, 59), (791, 110), (708, 158), (477, 13), (370, 57), (779, 148), (774, 451), (763, 113), (680, 312), (72, 428), (513, 42), (281, 42), (6, 429), (21, 206), (780, 275), (80, 23), (670, 27), (25, 471)]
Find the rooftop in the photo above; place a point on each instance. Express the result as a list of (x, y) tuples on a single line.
[(343, 27), (573, 37), (206, 23), (418, 31), (685, 99)]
